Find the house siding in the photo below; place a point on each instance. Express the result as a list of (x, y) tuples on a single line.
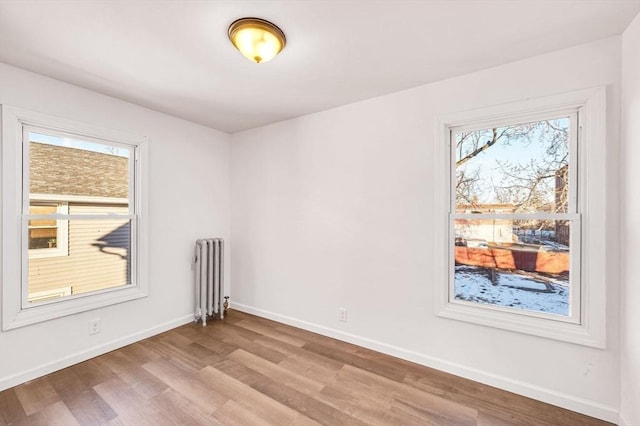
[(98, 258)]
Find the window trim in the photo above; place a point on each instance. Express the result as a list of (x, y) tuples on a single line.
[(590, 330), (14, 314)]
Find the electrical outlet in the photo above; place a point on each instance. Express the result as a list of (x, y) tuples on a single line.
[(342, 314), (94, 326)]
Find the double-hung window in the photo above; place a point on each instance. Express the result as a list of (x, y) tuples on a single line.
[(523, 212), (76, 195)]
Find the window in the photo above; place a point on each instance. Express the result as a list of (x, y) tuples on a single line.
[(78, 193), (48, 237), (513, 206), (519, 240)]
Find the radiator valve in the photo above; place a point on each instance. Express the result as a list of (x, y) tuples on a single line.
[(225, 305)]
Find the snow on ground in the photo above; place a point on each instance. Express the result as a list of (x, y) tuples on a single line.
[(512, 290)]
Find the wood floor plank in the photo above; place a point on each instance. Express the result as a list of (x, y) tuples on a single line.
[(302, 420), (278, 345), (232, 413), (262, 406), (116, 361), (76, 392), (144, 383), (496, 402), (311, 407), (309, 337), (89, 408), (216, 344), (234, 330), (186, 352), (305, 404), (131, 407), (274, 333), (138, 354), (11, 410), (187, 384), (355, 360), (240, 372), (407, 398), (247, 370), (116, 421), (304, 384), (485, 419), (193, 333), (54, 414), (436, 411), (403, 366), (310, 364), (91, 373), (178, 410), (378, 400), (36, 395), (252, 347)]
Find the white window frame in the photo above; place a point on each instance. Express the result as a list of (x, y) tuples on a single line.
[(62, 232), (587, 323), (17, 311)]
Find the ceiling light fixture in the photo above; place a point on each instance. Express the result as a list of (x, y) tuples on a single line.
[(258, 40)]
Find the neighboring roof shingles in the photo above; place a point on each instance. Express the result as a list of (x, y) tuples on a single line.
[(69, 171)]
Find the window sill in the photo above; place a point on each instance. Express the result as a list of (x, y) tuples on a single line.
[(39, 312), (514, 321)]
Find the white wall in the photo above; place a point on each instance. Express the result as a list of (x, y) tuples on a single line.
[(336, 209), (188, 199), (630, 195)]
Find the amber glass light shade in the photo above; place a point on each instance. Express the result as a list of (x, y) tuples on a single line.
[(258, 40)]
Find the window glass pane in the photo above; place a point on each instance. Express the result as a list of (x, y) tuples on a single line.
[(520, 264), (64, 166), (98, 258), (42, 209), (40, 238), (522, 168), (43, 233)]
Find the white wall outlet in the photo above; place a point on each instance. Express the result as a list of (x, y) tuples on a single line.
[(342, 314), (94, 326)]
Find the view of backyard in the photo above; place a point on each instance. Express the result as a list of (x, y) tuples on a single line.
[(512, 219), (512, 289)]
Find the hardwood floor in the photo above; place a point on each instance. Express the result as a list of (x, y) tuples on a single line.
[(247, 370)]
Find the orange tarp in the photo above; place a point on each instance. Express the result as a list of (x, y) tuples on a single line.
[(532, 261)]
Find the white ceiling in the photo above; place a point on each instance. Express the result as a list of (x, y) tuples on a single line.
[(174, 56)]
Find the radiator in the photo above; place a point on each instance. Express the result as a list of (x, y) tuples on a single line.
[(209, 279)]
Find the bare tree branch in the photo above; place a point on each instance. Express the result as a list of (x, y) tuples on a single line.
[(479, 150)]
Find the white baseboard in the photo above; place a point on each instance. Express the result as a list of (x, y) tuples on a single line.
[(570, 402), (19, 378)]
